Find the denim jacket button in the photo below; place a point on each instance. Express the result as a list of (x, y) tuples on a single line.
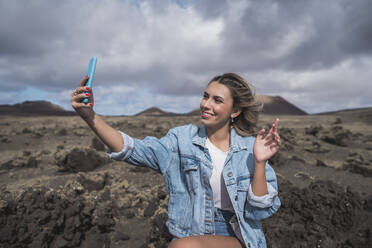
[(236, 197), (229, 174), (249, 244), (182, 165)]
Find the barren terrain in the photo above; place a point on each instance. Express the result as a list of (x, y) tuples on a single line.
[(59, 189)]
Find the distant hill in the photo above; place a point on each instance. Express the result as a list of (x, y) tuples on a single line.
[(154, 111), (272, 105), (194, 112), (276, 105), (31, 108), (367, 110), (361, 114)]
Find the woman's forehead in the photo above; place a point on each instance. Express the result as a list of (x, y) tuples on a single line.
[(217, 89)]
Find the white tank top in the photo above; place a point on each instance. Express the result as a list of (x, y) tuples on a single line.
[(220, 196)]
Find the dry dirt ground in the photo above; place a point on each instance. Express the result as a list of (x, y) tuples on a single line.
[(59, 189)]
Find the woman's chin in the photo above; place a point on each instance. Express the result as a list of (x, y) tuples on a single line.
[(205, 121), (208, 123), (212, 124)]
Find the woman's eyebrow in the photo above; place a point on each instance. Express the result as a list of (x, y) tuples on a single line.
[(215, 97), (218, 97)]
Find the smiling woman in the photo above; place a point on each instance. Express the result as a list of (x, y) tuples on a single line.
[(219, 182)]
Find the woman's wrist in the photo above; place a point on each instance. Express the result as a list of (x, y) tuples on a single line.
[(90, 118), (259, 163)]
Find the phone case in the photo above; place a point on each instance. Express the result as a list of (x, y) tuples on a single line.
[(90, 73)]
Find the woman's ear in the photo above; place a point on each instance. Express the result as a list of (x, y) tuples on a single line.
[(236, 113)]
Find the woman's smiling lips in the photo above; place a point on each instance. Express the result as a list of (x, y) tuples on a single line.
[(206, 115)]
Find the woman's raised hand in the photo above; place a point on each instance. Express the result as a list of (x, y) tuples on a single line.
[(265, 147), (85, 110)]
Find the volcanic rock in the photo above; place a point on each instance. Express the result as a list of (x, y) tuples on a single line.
[(20, 162), (44, 218), (355, 163), (336, 135), (79, 159), (97, 144), (324, 213), (94, 181)]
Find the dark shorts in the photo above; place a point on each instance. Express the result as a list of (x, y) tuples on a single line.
[(221, 223)]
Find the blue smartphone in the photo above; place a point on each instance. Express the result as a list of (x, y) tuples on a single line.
[(90, 73)]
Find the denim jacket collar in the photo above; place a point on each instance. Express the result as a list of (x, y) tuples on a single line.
[(236, 141)]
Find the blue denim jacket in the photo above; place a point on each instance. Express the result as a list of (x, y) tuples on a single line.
[(184, 161)]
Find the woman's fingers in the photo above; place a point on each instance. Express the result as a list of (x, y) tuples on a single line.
[(273, 138), (276, 122), (275, 125), (80, 96), (261, 133), (81, 90), (83, 81), (273, 129), (277, 136), (268, 143), (81, 105), (81, 87), (272, 135), (272, 144)]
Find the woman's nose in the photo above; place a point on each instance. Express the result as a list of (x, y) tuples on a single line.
[(206, 104)]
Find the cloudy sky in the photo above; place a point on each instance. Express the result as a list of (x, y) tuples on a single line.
[(316, 54)]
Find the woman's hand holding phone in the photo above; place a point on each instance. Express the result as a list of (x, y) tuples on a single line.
[(85, 110), (82, 98)]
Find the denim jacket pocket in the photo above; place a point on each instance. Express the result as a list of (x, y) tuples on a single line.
[(242, 197), (242, 188), (190, 168)]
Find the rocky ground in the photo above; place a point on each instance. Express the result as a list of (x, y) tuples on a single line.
[(59, 189)]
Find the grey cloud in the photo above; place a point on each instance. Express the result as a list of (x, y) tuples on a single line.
[(47, 44), (357, 29), (30, 28), (337, 30), (162, 80), (210, 9), (342, 31)]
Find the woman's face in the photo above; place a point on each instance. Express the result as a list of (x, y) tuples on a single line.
[(216, 107)]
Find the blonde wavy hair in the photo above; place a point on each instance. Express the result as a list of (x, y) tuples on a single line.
[(245, 124)]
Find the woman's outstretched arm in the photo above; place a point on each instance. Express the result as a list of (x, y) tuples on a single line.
[(108, 135), (112, 138)]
